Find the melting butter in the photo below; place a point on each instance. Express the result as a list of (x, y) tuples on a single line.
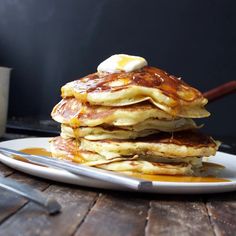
[(122, 62)]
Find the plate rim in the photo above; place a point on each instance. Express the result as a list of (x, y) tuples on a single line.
[(164, 184)]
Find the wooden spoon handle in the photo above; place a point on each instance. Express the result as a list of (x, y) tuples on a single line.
[(220, 91)]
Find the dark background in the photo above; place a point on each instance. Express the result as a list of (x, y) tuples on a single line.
[(48, 43)]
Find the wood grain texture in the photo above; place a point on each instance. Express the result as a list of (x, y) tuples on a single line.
[(222, 212), (33, 220), (11, 202), (116, 215), (178, 217), (85, 212), (4, 170)]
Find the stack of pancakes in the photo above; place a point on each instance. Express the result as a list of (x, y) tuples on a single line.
[(134, 122)]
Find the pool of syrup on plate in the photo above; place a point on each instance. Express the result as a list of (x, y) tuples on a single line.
[(165, 178)]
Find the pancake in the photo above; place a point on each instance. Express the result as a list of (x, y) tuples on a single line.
[(67, 149), (150, 168), (73, 112), (163, 125), (145, 128), (165, 91), (176, 145), (100, 133)]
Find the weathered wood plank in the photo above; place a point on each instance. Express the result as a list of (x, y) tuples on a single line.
[(116, 215), (178, 216), (222, 211), (11, 202), (4, 170), (33, 220)]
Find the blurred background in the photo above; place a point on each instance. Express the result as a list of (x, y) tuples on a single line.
[(51, 42)]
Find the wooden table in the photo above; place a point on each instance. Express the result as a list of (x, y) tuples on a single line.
[(95, 212)]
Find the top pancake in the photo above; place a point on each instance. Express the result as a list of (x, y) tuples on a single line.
[(165, 91)]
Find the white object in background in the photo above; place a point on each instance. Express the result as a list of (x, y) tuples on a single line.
[(4, 91)]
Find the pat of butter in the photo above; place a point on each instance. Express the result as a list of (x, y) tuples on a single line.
[(122, 62)]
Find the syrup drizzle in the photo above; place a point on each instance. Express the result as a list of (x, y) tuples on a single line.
[(166, 178), (147, 77)]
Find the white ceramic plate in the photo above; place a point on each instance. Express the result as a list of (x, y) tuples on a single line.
[(227, 160)]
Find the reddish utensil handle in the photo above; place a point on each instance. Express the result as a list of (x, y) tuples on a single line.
[(220, 91)]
